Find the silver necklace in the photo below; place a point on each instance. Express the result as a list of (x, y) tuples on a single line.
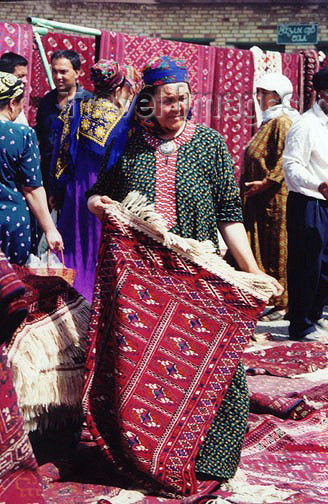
[(167, 148)]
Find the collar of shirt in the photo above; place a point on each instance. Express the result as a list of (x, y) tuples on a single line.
[(79, 94), (320, 114)]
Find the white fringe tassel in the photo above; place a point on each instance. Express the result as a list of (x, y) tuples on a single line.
[(251, 494), (124, 497), (136, 212), (47, 359)]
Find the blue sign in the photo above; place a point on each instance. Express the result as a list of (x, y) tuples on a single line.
[(297, 34)]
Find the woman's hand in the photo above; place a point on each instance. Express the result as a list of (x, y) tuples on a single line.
[(256, 187), (54, 239), (277, 287), (97, 205), (37, 202)]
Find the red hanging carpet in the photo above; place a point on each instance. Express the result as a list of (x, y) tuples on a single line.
[(18, 38), (138, 51)]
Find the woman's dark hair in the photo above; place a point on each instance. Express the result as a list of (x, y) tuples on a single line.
[(67, 54), (102, 91), (4, 103), (9, 61)]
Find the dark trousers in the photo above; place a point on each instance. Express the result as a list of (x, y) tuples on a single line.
[(307, 264)]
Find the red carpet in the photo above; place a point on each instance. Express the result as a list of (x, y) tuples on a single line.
[(174, 333), (285, 452), (279, 455), (46, 351), (287, 359)]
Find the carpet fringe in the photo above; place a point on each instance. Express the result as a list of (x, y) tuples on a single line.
[(320, 375), (136, 212), (47, 359), (124, 497), (251, 494)]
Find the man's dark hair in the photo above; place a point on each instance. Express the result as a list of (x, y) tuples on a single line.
[(9, 61), (68, 54), (320, 79)]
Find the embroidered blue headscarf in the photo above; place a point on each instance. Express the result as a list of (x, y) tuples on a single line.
[(165, 70)]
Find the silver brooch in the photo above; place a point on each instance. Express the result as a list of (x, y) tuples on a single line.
[(167, 148)]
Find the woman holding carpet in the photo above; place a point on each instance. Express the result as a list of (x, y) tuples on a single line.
[(186, 170)]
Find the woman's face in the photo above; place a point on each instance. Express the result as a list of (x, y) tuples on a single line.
[(172, 103), (267, 99)]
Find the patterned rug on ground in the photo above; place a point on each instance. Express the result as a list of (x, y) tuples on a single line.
[(46, 351), (166, 335), (283, 461), (285, 398), (286, 359), (291, 455)]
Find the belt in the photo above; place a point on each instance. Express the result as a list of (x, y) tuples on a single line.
[(321, 202)]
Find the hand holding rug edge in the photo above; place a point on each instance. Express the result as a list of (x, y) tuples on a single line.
[(137, 212)]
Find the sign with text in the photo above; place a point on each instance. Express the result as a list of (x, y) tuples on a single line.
[(297, 34)]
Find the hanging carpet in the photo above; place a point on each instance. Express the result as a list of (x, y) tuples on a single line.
[(18, 38), (138, 51)]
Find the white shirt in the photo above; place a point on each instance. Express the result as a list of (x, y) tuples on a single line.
[(305, 159)]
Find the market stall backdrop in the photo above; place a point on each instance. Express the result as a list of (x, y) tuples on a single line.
[(222, 79)]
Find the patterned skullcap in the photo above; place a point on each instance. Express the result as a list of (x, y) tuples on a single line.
[(133, 77), (165, 70), (320, 79), (107, 75), (10, 86)]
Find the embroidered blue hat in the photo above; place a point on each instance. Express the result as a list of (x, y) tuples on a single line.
[(165, 70)]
